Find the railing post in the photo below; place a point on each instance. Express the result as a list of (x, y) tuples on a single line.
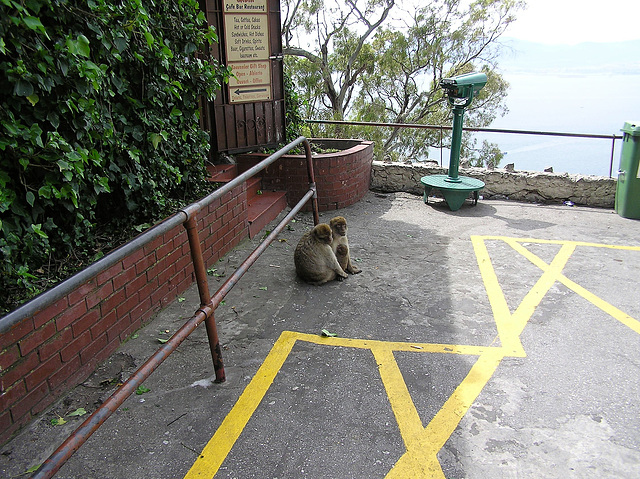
[(205, 297), (196, 257), (613, 147), (441, 146), (312, 182)]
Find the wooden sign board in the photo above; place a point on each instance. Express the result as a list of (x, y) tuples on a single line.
[(249, 112), (246, 26)]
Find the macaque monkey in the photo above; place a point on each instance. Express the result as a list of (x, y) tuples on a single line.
[(314, 259), (340, 245)]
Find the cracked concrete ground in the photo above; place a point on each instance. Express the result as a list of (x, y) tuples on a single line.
[(500, 340)]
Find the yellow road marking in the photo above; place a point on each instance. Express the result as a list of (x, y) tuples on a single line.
[(401, 403), (422, 443), (551, 273), (393, 346), (220, 445), (421, 460), (558, 242), (611, 310), (592, 298), (507, 328)]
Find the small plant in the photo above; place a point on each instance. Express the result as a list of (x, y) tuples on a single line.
[(142, 390), (58, 421), (78, 412), (213, 272)]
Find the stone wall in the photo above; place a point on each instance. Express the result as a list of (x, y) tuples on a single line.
[(530, 186)]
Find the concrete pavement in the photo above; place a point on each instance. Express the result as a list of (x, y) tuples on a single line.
[(500, 340)]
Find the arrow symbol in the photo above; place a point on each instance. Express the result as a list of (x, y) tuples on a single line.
[(256, 90)]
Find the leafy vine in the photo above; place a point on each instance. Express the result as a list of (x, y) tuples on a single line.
[(99, 126)]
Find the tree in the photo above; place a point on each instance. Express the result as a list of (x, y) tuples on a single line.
[(341, 54), (380, 63)]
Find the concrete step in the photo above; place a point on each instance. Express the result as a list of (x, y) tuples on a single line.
[(264, 208), (254, 187), (222, 173)]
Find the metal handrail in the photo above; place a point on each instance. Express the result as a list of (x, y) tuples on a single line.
[(65, 287), (612, 137), (204, 314)]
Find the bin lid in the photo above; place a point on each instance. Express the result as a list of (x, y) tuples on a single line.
[(632, 128)]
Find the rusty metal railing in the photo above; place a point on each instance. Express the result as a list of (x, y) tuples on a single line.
[(205, 313), (612, 137)]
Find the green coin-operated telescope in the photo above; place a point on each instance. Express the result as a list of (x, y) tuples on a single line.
[(463, 87), (460, 91)]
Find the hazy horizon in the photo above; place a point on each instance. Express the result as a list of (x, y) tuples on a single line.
[(570, 22)]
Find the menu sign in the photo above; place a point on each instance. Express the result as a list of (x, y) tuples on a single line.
[(246, 24)]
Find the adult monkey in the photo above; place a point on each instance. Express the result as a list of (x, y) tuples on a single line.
[(314, 259), (340, 245)]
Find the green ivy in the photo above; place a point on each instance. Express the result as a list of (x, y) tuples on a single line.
[(99, 124)]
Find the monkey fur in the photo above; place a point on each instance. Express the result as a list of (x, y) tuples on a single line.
[(340, 245), (314, 259)]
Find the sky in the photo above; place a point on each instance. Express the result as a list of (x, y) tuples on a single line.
[(575, 21)]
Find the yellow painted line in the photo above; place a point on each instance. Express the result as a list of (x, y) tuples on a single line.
[(416, 465), (508, 329), (216, 450), (417, 462), (447, 419), (422, 443), (550, 275), (606, 307), (370, 344), (558, 242), (538, 292), (401, 403), (611, 310), (421, 460)]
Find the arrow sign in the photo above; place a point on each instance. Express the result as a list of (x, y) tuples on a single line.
[(255, 90), (250, 93)]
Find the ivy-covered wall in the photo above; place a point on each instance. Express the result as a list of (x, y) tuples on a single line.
[(99, 127)]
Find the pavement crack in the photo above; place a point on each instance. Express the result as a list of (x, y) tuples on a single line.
[(179, 417), (190, 449)]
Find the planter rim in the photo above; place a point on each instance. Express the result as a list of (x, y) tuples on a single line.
[(355, 145)]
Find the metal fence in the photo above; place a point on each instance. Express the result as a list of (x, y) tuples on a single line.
[(187, 217), (612, 137)]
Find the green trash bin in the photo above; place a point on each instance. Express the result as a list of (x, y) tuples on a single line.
[(628, 187)]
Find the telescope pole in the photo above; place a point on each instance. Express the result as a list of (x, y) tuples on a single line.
[(456, 141)]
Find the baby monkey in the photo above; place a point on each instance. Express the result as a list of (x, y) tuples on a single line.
[(314, 259), (340, 245)]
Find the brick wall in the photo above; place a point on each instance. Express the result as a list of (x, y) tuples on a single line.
[(342, 177), (47, 354)]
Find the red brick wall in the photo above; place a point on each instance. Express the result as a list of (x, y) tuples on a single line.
[(46, 355), (342, 178)]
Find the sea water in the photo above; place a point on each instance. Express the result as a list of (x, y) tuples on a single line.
[(585, 103)]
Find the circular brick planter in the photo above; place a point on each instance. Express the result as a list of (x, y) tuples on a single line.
[(342, 177)]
